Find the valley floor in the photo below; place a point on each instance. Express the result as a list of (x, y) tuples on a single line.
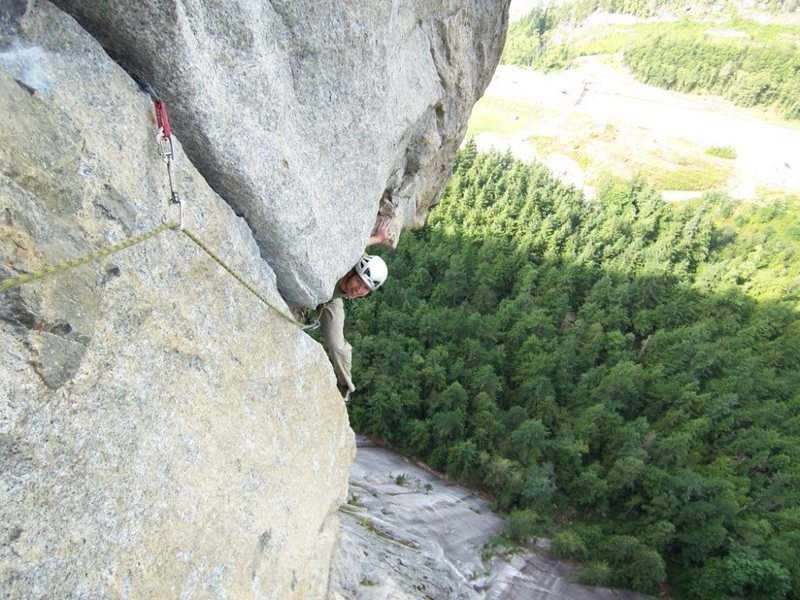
[(596, 118)]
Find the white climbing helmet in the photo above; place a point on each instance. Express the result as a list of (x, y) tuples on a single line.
[(372, 270)]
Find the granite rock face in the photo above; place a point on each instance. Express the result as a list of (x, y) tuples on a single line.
[(160, 427), (164, 432), (310, 116)]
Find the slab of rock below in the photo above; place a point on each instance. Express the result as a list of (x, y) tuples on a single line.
[(160, 427), (305, 115), (407, 534)]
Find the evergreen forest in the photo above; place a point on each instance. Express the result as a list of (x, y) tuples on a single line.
[(750, 63), (621, 375), (746, 73)]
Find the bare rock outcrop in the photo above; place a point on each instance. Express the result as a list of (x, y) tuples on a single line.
[(306, 116), (163, 433)]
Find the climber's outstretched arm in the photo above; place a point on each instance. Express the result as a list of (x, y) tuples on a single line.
[(381, 235)]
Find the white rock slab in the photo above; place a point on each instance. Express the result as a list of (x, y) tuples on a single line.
[(408, 534)]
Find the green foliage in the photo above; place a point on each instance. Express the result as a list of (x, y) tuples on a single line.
[(528, 42), (568, 544), (752, 577), (634, 565), (630, 363), (595, 573), (750, 73), (728, 152), (750, 63), (521, 526), (740, 576)]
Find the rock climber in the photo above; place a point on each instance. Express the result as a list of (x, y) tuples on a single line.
[(366, 276)]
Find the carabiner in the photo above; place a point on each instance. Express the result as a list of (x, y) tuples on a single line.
[(182, 208), (182, 205), (165, 146)]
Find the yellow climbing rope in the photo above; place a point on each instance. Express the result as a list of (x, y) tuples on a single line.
[(13, 282), (165, 144), (243, 281)]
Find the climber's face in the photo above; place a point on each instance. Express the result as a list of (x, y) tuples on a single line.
[(353, 286)]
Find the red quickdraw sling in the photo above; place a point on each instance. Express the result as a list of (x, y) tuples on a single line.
[(164, 138), (164, 134)]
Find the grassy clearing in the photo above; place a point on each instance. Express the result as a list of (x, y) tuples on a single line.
[(765, 33), (697, 178), (609, 133), (544, 144), (677, 165), (722, 152), (614, 38), (502, 117), (610, 147)]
